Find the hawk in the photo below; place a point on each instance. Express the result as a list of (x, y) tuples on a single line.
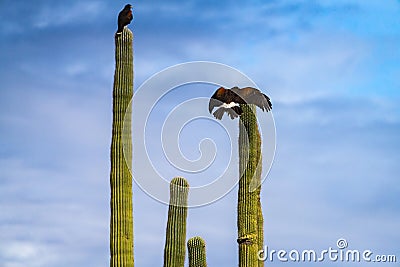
[(229, 101), (124, 18)]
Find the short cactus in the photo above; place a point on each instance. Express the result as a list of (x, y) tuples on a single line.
[(250, 230), (197, 252), (175, 247)]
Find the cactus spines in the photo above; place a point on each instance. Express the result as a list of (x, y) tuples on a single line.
[(197, 252), (175, 247), (249, 205), (121, 221)]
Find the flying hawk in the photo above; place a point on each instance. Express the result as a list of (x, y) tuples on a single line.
[(124, 18), (229, 101)]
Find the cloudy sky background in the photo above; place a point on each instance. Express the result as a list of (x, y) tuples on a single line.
[(332, 69)]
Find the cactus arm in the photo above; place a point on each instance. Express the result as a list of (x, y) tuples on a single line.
[(121, 221)]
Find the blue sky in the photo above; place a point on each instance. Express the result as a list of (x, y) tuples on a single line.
[(331, 69)]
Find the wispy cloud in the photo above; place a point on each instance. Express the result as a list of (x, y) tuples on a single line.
[(61, 14)]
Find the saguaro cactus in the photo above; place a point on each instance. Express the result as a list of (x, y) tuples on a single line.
[(197, 252), (175, 249), (121, 222), (250, 229)]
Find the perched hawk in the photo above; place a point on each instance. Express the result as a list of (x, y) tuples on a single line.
[(229, 101), (124, 18)]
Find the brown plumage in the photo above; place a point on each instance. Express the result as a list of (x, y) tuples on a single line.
[(124, 18), (229, 101)]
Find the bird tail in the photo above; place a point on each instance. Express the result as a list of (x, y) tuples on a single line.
[(219, 113), (233, 112)]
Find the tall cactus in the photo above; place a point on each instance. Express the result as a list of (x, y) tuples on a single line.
[(250, 230), (121, 222), (175, 249), (197, 252)]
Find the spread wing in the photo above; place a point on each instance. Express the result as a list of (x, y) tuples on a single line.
[(217, 99), (213, 103), (222, 98), (262, 101), (256, 97), (238, 96)]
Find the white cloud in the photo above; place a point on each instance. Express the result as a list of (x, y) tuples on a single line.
[(27, 253), (57, 15)]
